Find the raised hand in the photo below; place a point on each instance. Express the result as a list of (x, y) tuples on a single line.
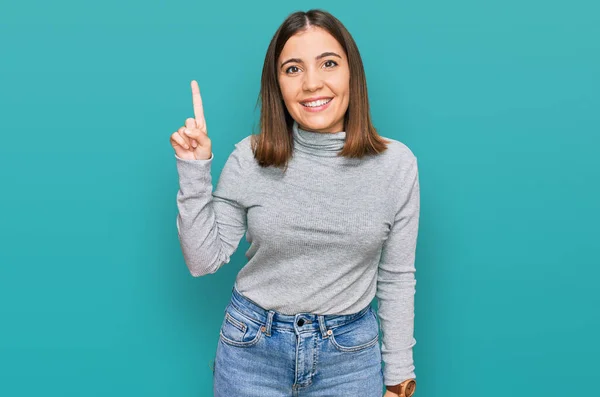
[(191, 141)]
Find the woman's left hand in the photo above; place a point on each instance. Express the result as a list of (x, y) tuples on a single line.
[(390, 394)]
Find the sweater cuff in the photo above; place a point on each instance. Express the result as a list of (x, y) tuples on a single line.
[(399, 366), (194, 170)]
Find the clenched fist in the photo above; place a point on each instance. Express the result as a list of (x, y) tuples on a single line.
[(191, 141)]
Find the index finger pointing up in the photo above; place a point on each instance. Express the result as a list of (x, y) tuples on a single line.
[(197, 101)]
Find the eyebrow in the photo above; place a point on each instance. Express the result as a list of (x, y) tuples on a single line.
[(323, 55)]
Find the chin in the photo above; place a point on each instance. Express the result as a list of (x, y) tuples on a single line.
[(316, 124)]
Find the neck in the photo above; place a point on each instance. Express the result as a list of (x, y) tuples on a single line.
[(324, 144)]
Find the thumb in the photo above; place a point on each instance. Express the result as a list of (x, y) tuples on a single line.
[(190, 123)]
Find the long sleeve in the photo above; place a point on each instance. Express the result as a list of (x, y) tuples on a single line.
[(396, 283), (210, 224)]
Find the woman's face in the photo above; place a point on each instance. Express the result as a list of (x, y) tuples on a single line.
[(313, 65)]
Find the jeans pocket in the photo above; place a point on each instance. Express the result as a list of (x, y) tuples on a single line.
[(238, 329), (357, 335)]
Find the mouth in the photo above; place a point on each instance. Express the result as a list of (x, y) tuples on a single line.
[(316, 106)]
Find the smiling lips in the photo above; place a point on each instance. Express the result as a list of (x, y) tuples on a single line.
[(318, 105)]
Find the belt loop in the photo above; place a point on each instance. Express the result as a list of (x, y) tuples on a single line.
[(270, 315), (322, 326)]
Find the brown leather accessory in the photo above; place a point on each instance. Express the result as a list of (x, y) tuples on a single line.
[(404, 389)]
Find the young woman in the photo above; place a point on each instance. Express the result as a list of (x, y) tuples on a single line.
[(331, 211)]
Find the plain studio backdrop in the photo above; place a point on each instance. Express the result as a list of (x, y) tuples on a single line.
[(498, 100)]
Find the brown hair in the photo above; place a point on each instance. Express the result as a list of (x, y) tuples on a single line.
[(274, 144)]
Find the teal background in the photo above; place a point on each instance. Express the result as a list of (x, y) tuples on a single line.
[(498, 100)]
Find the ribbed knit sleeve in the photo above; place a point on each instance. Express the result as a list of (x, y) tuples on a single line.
[(210, 224), (396, 282)]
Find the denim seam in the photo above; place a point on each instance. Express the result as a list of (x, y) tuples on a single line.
[(241, 344), (372, 342), (236, 323), (359, 347), (241, 312)]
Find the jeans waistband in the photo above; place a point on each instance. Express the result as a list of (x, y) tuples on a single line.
[(300, 322)]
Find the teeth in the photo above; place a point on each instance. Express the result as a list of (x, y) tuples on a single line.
[(320, 102)]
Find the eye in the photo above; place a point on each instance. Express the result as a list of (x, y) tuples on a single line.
[(329, 60), (288, 69)]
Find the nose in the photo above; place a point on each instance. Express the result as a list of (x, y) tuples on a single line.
[(312, 80)]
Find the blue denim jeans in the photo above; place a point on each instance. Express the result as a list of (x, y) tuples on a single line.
[(264, 353)]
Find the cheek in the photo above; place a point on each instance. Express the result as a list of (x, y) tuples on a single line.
[(288, 92), (341, 85)]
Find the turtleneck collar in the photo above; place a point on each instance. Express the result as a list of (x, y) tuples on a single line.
[(325, 144)]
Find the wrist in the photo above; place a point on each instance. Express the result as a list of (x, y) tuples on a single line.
[(389, 393), (404, 389)]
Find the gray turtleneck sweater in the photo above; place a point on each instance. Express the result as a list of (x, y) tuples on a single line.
[(326, 236)]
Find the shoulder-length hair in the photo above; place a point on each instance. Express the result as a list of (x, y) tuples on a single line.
[(273, 145)]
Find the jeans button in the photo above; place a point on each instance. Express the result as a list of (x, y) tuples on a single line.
[(300, 322)]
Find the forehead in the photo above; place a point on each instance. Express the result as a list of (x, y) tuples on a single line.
[(309, 43)]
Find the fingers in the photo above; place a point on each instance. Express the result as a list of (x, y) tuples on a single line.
[(193, 132), (190, 124), (196, 135), (188, 140), (198, 108), (179, 140)]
